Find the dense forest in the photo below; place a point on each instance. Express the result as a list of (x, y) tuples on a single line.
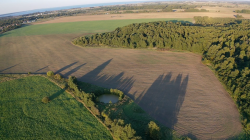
[(223, 43)]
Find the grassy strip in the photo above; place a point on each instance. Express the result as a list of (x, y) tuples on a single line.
[(78, 27)]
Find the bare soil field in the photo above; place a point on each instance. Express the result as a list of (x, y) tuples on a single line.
[(143, 16), (173, 87)]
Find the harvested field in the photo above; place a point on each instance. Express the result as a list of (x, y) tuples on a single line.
[(173, 87), (181, 15)]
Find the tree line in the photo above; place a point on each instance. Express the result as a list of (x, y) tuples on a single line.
[(223, 43), (209, 21), (162, 7), (119, 124), (12, 23), (243, 11)]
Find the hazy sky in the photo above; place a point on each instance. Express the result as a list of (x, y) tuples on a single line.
[(10, 6)]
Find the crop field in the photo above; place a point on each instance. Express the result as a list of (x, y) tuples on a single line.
[(225, 13), (24, 116), (79, 27), (175, 88)]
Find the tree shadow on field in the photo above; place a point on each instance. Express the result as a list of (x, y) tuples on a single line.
[(42, 68), (55, 95), (9, 67), (74, 70), (66, 67), (108, 81), (164, 98)]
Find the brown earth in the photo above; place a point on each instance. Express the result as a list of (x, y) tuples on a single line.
[(143, 16), (173, 87)]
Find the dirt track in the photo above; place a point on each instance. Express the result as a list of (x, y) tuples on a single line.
[(174, 88), (143, 16)]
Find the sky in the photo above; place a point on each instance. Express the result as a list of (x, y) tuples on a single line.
[(11, 6)]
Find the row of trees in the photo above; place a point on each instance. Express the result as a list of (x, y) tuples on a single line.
[(205, 21), (9, 21), (10, 27), (12, 23), (226, 48), (122, 125), (119, 129), (164, 7), (196, 10), (243, 11)]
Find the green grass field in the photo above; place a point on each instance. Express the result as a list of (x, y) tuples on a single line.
[(24, 116), (79, 27)]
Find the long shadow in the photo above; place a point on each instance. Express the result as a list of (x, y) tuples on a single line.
[(96, 71), (52, 97), (42, 69), (74, 70), (182, 21), (164, 98), (9, 67), (25, 73), (117, 81), (108, 81), (66, 67)]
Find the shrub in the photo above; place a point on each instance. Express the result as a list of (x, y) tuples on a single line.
[(45, 100), (29, 73), (64, 86), (50, 73), (58, 76), (95, 110), (108, 122), (154, 130)]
